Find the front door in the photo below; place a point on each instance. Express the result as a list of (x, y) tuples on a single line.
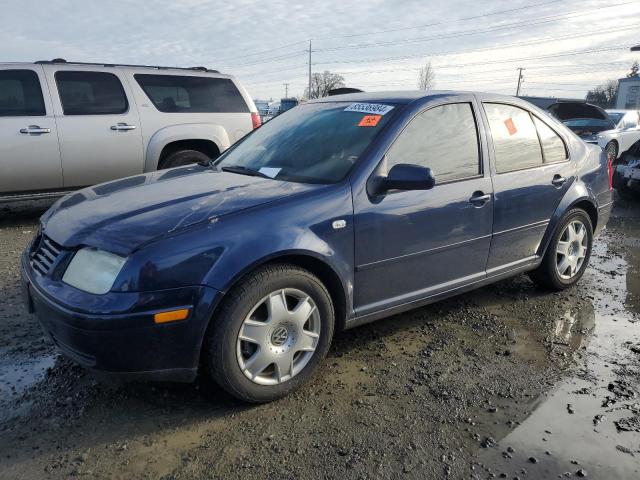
[(29, 154), (413, 244), (98, 124), (532, 172)]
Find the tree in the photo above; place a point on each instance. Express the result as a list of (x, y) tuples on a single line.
[(321, 83), (635, 68), (604, 95), (426, 77)]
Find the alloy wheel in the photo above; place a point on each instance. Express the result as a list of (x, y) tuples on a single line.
[(571, 249), (278, 337)]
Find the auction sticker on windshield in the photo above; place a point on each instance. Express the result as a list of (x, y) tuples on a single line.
[(369, 120), (375, 108)]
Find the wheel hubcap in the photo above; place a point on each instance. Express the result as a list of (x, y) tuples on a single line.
[(278, 337), (571, 249)]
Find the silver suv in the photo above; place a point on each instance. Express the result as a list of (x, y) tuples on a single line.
[(67, 125)]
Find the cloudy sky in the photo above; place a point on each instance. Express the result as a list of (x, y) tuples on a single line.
[(565, 46)]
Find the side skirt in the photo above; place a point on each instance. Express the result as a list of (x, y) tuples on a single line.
[(492, 278)]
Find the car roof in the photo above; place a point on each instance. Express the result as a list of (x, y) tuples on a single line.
[(403, 96)]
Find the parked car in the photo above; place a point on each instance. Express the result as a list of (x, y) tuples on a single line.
[(336, 213), (625, 132), (627, 172), (584, 119), (67, 125)]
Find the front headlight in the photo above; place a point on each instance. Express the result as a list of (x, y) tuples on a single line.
[(93, 270)]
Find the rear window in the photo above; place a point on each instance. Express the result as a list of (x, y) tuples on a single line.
[(175, 93), (91, 93), (20, 94)]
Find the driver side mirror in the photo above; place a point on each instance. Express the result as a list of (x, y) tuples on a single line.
[(408, 177)]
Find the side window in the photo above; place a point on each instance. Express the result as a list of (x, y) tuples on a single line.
[(443, 138), (91, 93), (515, 140), (178, 93), (20, 94), (630, 120), (553, 147)]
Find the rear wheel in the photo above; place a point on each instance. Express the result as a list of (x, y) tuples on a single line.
[(183, 157), (568, 253), (270, 334)]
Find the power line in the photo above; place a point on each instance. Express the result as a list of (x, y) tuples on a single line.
[(540, 21)]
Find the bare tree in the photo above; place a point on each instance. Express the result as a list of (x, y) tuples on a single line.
[(604, 95), (426, 77), (321, 83)]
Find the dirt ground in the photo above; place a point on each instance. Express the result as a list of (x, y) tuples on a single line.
[(505, 382)]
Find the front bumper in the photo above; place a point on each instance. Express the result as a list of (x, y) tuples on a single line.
[(126, 343)]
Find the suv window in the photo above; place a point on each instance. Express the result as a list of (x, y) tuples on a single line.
[(175, 93), (553, 147), (515, 140), (20, 94), (91, 93), (443, 138)]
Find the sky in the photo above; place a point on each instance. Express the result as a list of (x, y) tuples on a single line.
[(564, 46)]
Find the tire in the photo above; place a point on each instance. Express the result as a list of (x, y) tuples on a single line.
[(612, 150), (548, 274), (183, 157), (247, 331)]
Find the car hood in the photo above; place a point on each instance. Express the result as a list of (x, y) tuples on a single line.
[(122, 215)]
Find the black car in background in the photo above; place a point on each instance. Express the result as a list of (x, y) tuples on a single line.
[(584, 119)]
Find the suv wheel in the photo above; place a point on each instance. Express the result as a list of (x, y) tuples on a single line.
[(183, 157), (270, 334), (568, 253)]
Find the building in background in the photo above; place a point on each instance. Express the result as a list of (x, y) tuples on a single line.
[(628, 97)]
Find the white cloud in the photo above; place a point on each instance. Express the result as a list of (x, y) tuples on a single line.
[(227, 35)]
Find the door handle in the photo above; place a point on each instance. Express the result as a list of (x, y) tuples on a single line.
[(34, 130), (479, 199), (122, 127), (558, 181)]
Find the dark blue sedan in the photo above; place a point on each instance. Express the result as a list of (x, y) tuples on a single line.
[(334, 214)]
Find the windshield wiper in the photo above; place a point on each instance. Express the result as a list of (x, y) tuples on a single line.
[(244, 171)]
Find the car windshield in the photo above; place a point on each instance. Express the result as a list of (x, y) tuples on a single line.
[(312, 143), (615, 117)]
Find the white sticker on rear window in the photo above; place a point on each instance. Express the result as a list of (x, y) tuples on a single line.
[(270, 171), (376, 108)]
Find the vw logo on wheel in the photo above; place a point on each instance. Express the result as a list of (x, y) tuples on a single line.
[(279, 336)]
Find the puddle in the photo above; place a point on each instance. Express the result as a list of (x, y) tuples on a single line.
[(17, 376), (590, 421)]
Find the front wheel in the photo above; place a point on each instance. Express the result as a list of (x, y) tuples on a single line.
[(270, 334), (568, 253), (612, 150)]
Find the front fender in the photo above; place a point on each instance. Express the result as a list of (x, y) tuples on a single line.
[(188, 131)]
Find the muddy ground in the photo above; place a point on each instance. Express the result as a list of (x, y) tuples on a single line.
[(504, 382)]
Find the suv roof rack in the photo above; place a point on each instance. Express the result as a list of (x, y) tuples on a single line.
[(157, 67)]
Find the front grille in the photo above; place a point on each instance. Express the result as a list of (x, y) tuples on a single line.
[(44, 255)]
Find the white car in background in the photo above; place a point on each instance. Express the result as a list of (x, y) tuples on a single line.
[(66, 125), (626, 132)]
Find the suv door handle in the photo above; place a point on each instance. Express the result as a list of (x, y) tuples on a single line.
[(34, 130), (122, 127), (479, 199), (558, 181)]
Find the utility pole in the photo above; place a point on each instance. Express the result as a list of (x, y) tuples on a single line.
[(520, 78), (309, 94), (286, 90)]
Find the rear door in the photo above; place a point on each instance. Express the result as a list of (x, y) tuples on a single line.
[(29, 155), (99, 127), (531, 173), (411, 245), (630, 131)]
